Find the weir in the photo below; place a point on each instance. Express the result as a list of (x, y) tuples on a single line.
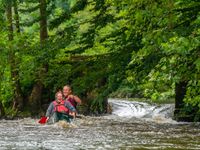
[(142, 110)]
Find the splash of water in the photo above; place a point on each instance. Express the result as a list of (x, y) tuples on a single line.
[(132, 109), (104, 132)]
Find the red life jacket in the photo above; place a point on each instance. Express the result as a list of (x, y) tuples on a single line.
[(60, 107), (72, 101)]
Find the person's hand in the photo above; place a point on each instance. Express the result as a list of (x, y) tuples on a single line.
[(73, 114), (47, 119), (70, 96)]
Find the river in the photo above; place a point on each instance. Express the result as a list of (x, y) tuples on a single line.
[(132, 125)]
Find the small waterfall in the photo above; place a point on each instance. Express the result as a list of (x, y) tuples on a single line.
[(133, 109)]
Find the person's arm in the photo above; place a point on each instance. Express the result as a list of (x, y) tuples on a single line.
[(49, 110), (69, 105), (76, 98)]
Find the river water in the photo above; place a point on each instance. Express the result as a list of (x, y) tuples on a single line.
[(132, 125)]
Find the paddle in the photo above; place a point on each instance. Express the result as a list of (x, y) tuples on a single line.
[(43, 120)]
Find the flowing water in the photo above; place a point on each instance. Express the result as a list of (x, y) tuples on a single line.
[(132, 125)]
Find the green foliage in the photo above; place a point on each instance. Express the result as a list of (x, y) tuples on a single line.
[(127, 48)]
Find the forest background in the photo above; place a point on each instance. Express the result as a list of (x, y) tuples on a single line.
[(102, 48)]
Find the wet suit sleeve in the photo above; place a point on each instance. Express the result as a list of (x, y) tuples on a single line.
[(68, 105), (49, 110)]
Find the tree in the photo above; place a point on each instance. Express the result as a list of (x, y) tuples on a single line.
[(36, 94), (12, 59)]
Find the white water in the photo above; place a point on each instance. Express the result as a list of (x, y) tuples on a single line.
[(132, 109), (133, 125)]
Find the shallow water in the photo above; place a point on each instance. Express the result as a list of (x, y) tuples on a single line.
[(147, 127)]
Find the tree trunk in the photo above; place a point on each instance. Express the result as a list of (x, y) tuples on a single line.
[(2, 112), (36, 94), (18, 96), (16, 16), (180, 91), (170, 15), (35, 98), (9, 20), (17, 92), (43, 22)]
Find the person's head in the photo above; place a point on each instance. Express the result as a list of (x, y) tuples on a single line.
[(59, 96), (67, 90)]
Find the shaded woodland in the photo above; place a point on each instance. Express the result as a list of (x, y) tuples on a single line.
[(131, 48)]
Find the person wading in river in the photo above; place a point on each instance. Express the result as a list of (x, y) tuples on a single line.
[(68, 96), (60, 109)]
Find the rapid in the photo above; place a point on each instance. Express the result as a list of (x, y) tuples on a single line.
[(132, 125)]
